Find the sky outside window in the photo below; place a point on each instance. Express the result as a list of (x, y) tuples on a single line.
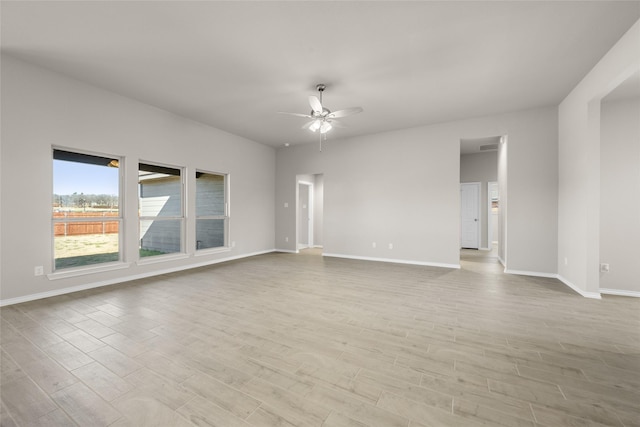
[(73, 177)]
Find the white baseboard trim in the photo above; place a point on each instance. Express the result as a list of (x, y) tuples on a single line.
[(532, 273), (484, 249), (594, 295), (71, 289), (318, 246), (287, 251), (620, 292), (392, 260)]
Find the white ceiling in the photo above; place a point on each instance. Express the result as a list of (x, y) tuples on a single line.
[(472, 145), (235, 65)]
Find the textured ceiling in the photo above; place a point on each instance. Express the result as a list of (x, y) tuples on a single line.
[(235, 65)]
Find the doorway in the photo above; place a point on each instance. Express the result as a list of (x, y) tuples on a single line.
[(619, 227), (483, 161), (305, 215), (309, 213), (493, 211)]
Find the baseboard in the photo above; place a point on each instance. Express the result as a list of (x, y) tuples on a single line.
[(318, 246), (594, 295), (532, 273), (287, 251), (71, 289), (392, 260), (484, 249), (502, 261), (620, 292)]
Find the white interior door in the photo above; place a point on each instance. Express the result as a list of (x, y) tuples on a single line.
[(470, 215)]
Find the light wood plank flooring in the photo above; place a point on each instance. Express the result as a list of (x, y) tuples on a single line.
[(302, 340)]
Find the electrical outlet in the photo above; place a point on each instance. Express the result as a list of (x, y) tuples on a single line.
[(233, 244), (373, 245), (566, 261), (38, 270), (604, 267), (286, 205), (390, 245), (286, 239)]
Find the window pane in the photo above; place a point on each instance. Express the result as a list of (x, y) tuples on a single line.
[(209, 194), (161, 196), (78, 244), (159, 237), (210, 233), (85, 211), (82, 187), (159, 191)]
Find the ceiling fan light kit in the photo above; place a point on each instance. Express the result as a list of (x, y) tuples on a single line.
[(321, 117)]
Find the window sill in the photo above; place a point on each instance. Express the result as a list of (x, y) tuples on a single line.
[(161, 258), (82, 271), (204, 252)]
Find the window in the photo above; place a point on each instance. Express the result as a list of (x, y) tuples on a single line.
[(161, 209), (211, 210), (86, 209)]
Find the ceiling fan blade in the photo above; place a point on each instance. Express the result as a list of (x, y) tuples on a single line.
[(296, 114), (316, 106), (344, 113)]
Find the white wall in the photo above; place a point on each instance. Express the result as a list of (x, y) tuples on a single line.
[(41, 109), (482, 168), (579, 165), (402, 188), (620, 194)]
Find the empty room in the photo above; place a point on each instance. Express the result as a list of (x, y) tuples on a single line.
[(319, 213)]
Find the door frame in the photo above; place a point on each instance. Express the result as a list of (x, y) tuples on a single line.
[(310, 208), (490, 213)]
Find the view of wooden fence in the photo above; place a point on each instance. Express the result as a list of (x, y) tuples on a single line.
[(101, 226)]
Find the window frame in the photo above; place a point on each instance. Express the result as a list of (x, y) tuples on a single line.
[(226, 216), (100, 266), (182, 218)]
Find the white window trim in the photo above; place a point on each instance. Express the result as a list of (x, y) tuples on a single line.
[(90, 269), (155, 259), (212, 251)]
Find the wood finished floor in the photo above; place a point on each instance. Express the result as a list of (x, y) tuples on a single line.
[(302, 340)]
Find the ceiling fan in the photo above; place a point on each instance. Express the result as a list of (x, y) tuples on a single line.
[(323, 119)]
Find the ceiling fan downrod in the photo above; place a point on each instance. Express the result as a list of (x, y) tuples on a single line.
[(320, 87)]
